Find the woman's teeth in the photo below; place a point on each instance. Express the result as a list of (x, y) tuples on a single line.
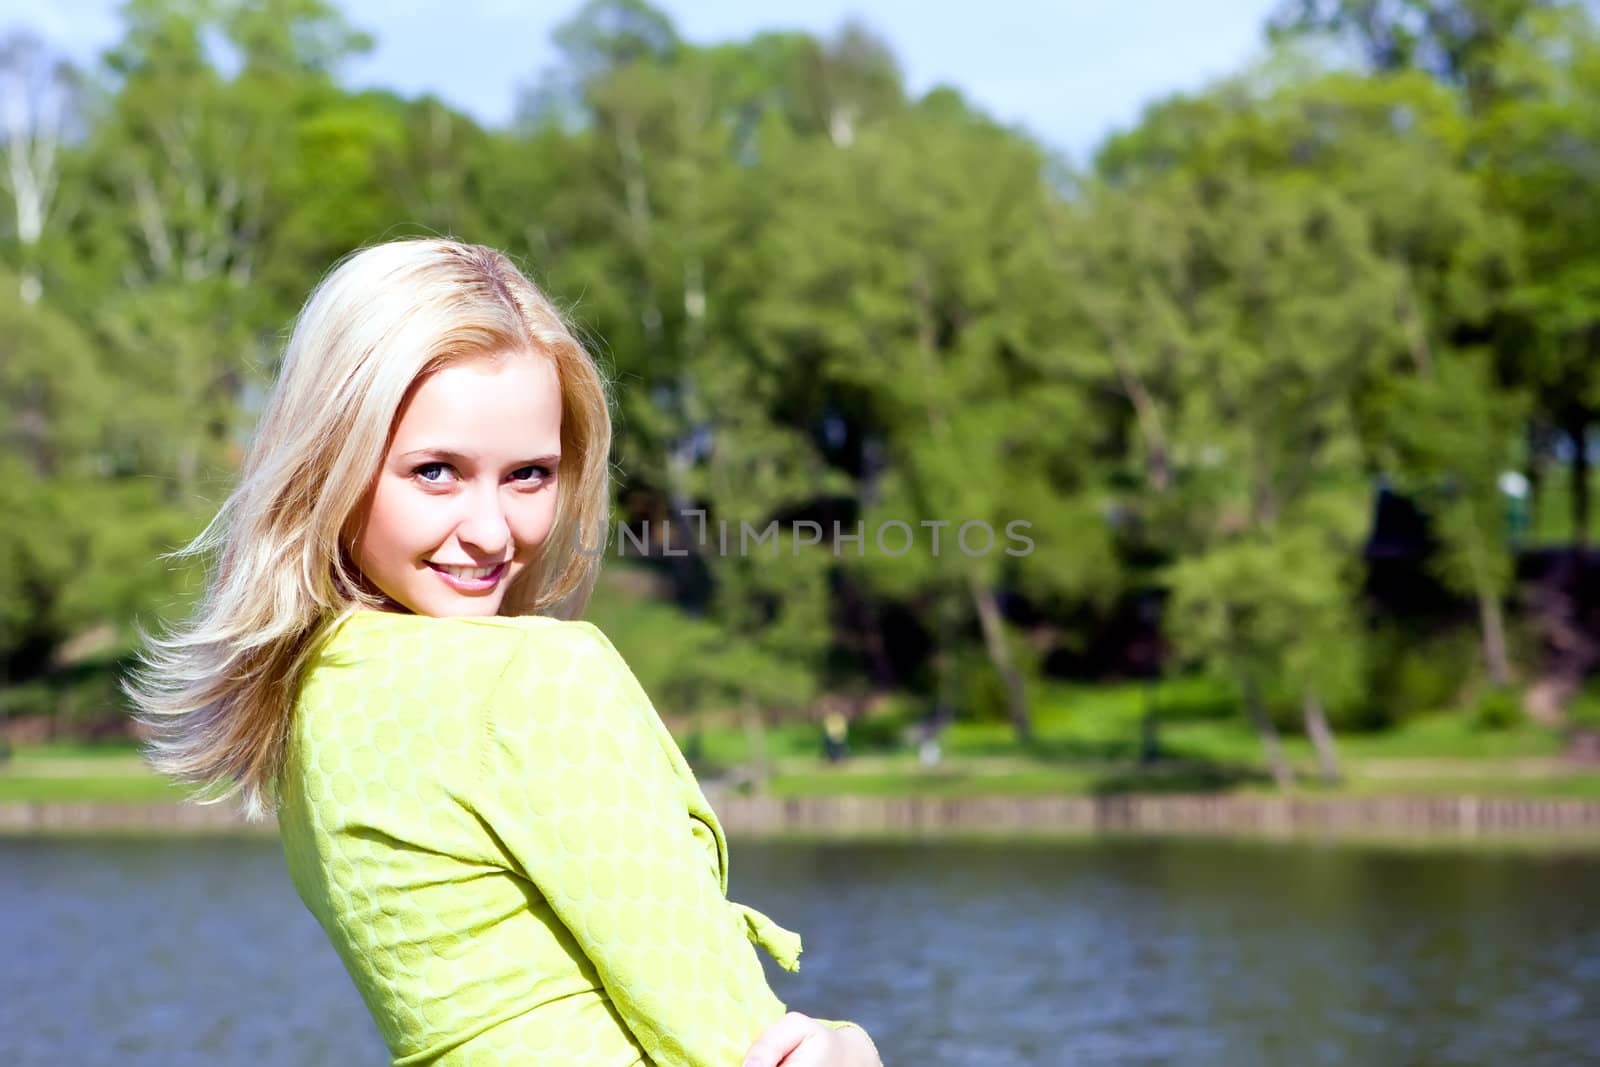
[(466, 572)]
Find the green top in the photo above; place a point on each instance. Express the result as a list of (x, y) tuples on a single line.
[(510, 853)]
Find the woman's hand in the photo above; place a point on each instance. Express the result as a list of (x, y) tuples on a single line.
[(798, 1040)]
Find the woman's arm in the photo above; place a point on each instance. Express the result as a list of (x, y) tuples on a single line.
[(588, 808)]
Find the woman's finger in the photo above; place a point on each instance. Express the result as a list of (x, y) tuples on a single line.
[(778, 1040)]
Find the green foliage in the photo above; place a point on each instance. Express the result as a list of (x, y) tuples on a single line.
[(692, 665), (1194, 698), (1584, 711), (1454, 40), (663, 645), (886, 731), (1414, 674), (821, 293), (79, 543), (85, 694), (1496, 709), (1456, 430), (980, 691)]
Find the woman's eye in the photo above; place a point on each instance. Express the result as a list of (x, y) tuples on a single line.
[(532, 474), (427, 471)]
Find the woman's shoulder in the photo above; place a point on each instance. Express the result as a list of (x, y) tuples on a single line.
[(475, 644), (414, 668)]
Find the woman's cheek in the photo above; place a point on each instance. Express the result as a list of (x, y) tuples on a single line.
[(535, 518)]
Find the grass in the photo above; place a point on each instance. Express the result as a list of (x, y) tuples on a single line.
[(1087, 743), (1551, 521), (71, 771), (141, 788), (1569, 784), (1080, 724), (51, 751)]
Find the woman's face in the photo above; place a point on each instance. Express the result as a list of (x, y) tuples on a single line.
[(467, 490)]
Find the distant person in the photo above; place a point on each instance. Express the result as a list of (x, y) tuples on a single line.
[(477, 801), (835, 735)]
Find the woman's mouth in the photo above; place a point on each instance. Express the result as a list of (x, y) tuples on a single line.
[(469, 579)]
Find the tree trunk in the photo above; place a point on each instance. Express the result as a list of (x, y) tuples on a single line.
[(945, 681), (1491, 617), (994, 640), (865, 620), (38, 95), (755, 736), (1578, 430), (1158, 469), (1150, 727), (1321, 738), (1277, 762), (641, 223)]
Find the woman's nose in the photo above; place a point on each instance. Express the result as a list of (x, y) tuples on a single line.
[(484, 525)]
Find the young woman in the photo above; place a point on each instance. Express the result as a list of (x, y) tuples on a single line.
[(476, 799)]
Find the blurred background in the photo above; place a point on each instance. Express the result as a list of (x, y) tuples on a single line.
[(1277, 322)]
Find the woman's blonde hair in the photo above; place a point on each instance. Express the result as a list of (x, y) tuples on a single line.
[(217, 693)]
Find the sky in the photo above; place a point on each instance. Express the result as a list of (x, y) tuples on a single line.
[(1068, 71)]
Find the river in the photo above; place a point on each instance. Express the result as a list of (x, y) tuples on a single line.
[(184, 951)]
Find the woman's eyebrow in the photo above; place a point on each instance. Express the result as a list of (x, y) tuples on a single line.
[(455, 456)]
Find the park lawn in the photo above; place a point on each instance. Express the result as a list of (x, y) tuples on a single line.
[(88, 750), (1087, 742), (68, 771), (144, 788), (1101, 724), (1429, 737), (1575, 784)]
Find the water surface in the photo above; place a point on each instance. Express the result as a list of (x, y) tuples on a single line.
[(196, 951)]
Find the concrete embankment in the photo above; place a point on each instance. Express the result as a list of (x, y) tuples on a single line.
[(1461, 817), (1455, 817)]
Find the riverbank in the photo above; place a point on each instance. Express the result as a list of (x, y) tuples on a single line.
[(1422, 818)]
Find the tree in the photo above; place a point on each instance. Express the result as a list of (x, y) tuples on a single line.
[(186, 171), (906, 279), (1455, 41), (39, 106), (1539, 142), (1395, 148), (1455, 430), (80, 538), (1238, 318)]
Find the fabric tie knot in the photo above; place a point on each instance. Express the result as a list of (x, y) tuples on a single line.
[(782, 945)]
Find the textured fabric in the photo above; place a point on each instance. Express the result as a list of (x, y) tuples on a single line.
[(510, 854)]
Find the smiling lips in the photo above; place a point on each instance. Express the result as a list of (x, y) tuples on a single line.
[(469, 579)]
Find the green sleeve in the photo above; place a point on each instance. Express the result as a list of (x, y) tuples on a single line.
[(588, 808), (783, 945)]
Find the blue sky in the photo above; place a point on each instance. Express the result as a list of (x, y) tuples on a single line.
[(1070, 71)]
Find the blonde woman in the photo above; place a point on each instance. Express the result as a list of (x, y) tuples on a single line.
[(475, 797)]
